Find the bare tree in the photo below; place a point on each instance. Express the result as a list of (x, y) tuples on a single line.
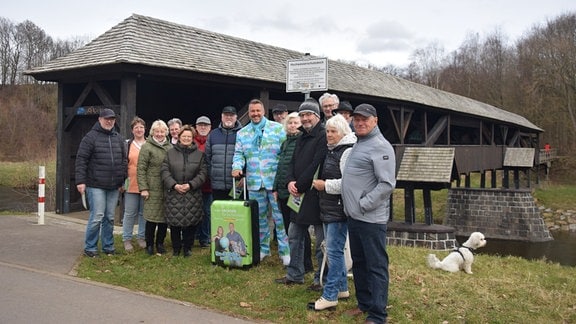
[(36, 47), (6, 44), (428, 64), (547, 61)]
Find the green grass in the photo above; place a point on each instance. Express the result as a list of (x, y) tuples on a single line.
[(556, 196), (501, 290), (25, 174)]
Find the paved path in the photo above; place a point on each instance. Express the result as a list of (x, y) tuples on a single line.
[(38, 283)]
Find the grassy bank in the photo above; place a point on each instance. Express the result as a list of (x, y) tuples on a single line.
[(501, 290), (24, 175)]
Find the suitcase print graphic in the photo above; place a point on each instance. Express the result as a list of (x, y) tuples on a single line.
[(235, 233)]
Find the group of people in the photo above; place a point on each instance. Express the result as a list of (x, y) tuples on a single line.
[(165, 180), (337, 162)]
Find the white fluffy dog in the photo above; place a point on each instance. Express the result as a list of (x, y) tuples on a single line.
[(461, 258)]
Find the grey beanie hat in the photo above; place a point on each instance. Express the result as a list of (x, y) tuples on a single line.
[(309, 106)]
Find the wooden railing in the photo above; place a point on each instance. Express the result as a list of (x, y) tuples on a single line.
[(545, 157)]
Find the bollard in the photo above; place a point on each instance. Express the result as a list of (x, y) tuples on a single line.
[(41, 194)]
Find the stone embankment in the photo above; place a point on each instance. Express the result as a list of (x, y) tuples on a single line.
[(559, 220)]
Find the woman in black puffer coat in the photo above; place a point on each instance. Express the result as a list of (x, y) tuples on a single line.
[(183, 174)]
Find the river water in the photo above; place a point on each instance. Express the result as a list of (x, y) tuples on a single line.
[(18, 200), (561, 250)]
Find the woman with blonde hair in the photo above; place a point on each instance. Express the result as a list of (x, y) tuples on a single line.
[(150, 160), (291, 125), (340, 139)]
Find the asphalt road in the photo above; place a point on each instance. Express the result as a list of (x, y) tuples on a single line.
[(38, 283)]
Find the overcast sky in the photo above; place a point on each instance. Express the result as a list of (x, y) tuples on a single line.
[(379, 32)]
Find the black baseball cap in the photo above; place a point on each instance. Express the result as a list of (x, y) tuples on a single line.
[(365, 110)]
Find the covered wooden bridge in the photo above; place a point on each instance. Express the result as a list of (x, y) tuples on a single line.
[(159, 70)]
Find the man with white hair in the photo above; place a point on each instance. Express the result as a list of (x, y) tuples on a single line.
[(328, 102), (368, 180)]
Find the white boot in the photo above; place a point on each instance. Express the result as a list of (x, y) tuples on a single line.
[(322, 304)]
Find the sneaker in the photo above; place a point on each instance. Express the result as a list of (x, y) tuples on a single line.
[(322, 304), (91, 254), (285, 260), (343, 294), (110, 253), (128, 246), (160, 248), (315, 287), (141, 243)]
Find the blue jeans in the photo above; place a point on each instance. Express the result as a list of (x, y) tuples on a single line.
[(336, 280), (204, 228), (296, 237), (101, 222), (370, 267), (133, 209)]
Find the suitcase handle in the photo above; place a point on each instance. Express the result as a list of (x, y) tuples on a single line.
[(234, 186)]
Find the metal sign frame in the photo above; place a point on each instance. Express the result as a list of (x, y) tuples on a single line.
[(306, 75)]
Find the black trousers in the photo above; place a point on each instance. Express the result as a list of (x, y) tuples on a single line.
[(220, 194), (182, 237), (151, 230)]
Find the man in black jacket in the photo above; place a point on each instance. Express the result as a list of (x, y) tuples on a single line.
[(101, 168), (309, 152)]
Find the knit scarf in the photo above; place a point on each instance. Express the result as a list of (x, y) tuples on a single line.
[(258, 131), (161, 143)]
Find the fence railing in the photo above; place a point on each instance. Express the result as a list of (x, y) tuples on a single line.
[(545, 156)]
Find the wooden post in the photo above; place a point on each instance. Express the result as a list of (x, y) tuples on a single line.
[(427, 206), (409, 213)]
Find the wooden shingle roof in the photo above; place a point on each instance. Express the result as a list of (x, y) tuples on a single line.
[(519, 157), (153, 42), (426, 164)]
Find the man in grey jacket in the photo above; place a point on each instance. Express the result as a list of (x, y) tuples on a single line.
[(367, 183)]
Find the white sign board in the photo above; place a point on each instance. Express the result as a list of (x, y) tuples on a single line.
[(307, 75)]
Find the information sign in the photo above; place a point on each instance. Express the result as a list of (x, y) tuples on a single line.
[(305, 75)]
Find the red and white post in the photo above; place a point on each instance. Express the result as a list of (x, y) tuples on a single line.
[(41, 194)]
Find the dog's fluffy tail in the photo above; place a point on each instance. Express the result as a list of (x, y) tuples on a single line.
[(433, 261)]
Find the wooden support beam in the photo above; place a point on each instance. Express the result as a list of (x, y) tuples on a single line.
[(103, 95), (409, 208), (437, 130), (80, 100), (427, 197), (493, 179)]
